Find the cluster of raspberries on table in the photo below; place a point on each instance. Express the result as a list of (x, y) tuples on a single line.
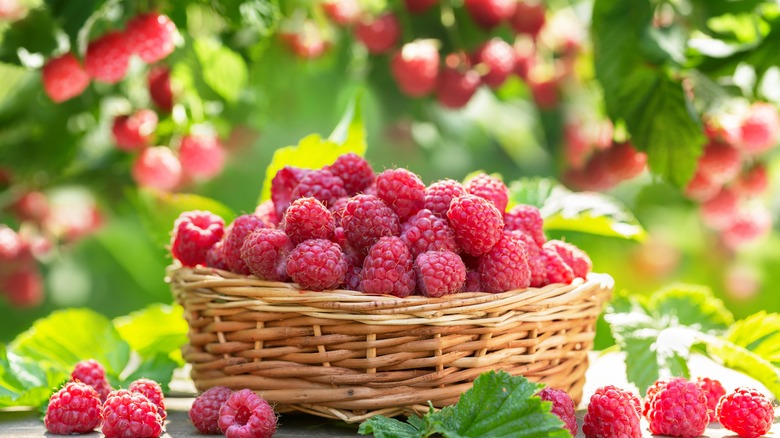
[(343, 226)]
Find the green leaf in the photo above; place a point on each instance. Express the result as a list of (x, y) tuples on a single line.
[(35, 33), (746, 361), (759, 333), (158, 368), (224, 70), (383, 427), (693, 306), (157, 330), (24, 382)]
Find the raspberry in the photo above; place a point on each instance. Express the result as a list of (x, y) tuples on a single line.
[(215, 257), (135, 131), (623, 162), (713, 390), (108, 57), (158, 168), (721, 211), (760, 128), (545, 91), (352, 277), (204, 413), (342, 12), (265, 253), (64, 78), (719, 163), (489, 13), (701, 189), (366, 219), (499, 59), (267, 212), (74, 409), (555, 268), (160, 91), (747, 412), (308, 219), (612, 413), (752, 182), (457, 86), (505, 267), (419, 6), (679, 408), (320, 184), (723, 128), (92, 373), (536, 263), (525, 57), (439, 195), (473, 283), (152, 391), (337, 210), (416, 68), (439, 273), (651, 391), (402, 190), (194, 232), (426, 232), (528, 18), (12, 246), (126, 413), (380, 34), (388, 269), (246, 414), (202, 156), (282, 186), (354, 171), (23, 287), (307, 41), (316, 265), (150, 36), (748, 225), (562, 406), (527, 219), (490, 188), (477, 223), (32, 206), (574, 257), (235, 235)]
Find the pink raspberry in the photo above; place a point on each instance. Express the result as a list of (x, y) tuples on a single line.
[(576, 258), (415, 68), (265, 253), (721, 211), (679, 408), (158, 168), (752, 182), (701, 189), (32, 206), (235, 235), (439, 195), (612, 413), (419, 6), (388, 269), (529, 18), (527, 219), (215, 257), (536, 262), (505, 267), (342, 12), (623, 162), (352, 277), (204, 413), (246, 414), (713, 390), (108, 57), (748, 225), (439, 273), (380, 34), (23, 287), (317, 264), (306, 41), (135, 131), (126, 413), (74, 409), (490, 188), (267, 212), (562, 406), (555, 268), (366, 218), (194, 232), (160, 91), (202, 156), (499, 59), (426, 232), (747, 412), (760, 128), (64, 78), (473, 283), (477, 223), (282, 186), (490, 13), (337, 210), (402, 190), (457, 86), (546, 91), (308, 219), (12, 246), (354, 171), (320, 184), (92, 373), (651, 391), (152, 391), (150, 36), (720, 163)]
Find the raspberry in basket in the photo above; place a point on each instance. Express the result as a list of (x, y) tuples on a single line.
[(152, 391), (505, 267), (490, 188), (317, 264), (612, 412), (366, 218), (354, 171), (402, 190), (73, 409), (194, 232), (308, 219), (204, 413), (440, 194), (562, 406), (528, 219), (426, 232), (439, 273), (93, 374), (576, 258), (747, 412), (127, 413), (713, 390), (320, 184), (241, 227), (679, 408), (282, 186), (265, 253), (246, 414), (477, 223), (387, 269), (556, 270)]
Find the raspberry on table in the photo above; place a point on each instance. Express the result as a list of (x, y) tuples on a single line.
[(320, 184), (713, 390), (491, 188), (379, 34), (265, 253), (246, 414), (159, 82), (719, 162), (308, 219), (366, 218), (746, 411), (355, 172), (679, 408), (126, 413), (555, 268), (576, 258), (92, 373), (388, 269), (204, 413), (651, 391), (505, 267), (490, 13), (499, 59), (317, 265), (612, 412), (150, 36), (527, 219), (74, 409), (427, 232), (529, 17), (402, 190), (157, 167), (108, 57), (440, 194), (235, 235), (439, 273), (135, 131), (152, 391), (477, 223), (282, 186), (760, 128), (457, 86), (64, 78), (202, 156), (194, 233), (415, 68), (562, 406)]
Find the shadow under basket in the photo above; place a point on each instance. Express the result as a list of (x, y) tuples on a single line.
[(349, 356)]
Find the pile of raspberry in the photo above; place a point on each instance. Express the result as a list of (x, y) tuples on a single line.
[(343, 226), (234, 414)]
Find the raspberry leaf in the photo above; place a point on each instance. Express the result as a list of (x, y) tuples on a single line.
[(26, 382), (224, 70), (156, 330)]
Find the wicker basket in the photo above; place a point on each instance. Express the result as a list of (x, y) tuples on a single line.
[(347, 355)]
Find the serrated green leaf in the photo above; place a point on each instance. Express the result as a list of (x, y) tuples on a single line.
[(383, 427), (760, 334), (693, 306), (24, 382), (746, 361), (157, 330), (224, 70), (158, 368)]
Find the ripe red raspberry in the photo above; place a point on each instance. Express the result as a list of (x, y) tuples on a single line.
[(354, 171), (713, 390), (623, 162), (489, 13), (525, 57), (246, 414), (308, 219), (748, 225), (747, 412), (536, 262), (651, 391), (527, 219), (215, 257), (760, 128), (152, 391), (416, 68), (477, 223), (402, 190), (419, 6), (92, 373), (679, 408), (23, 287), (134, 131), (379, 34), (719, 163), (545, 91), (64, 78), (721, 211), (439, 273), (150, 36), (427, 232), (158, 168), (202, 156), (235, 235), (74, 409), (701, 189), (555, 268), (499, 59), (337, 210), (752, 182), (126, 413), (108, 57), (439, 195), (204, 413), (457, 86), (317, 264), (388, 269), (31, 206), (352, 277), (267, 212), (576, 258), (490, 188), (473, 283), (307, 41), (282, 186), (160, 91), (342, 12), (194, 232), (612, 413), (12, 246), (562, 406), (723, 128), (265, 253), (528, 18), (505, 267), (320, 184), (366, 219)]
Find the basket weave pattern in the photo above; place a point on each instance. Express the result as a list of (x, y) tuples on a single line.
[(347, 355)]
